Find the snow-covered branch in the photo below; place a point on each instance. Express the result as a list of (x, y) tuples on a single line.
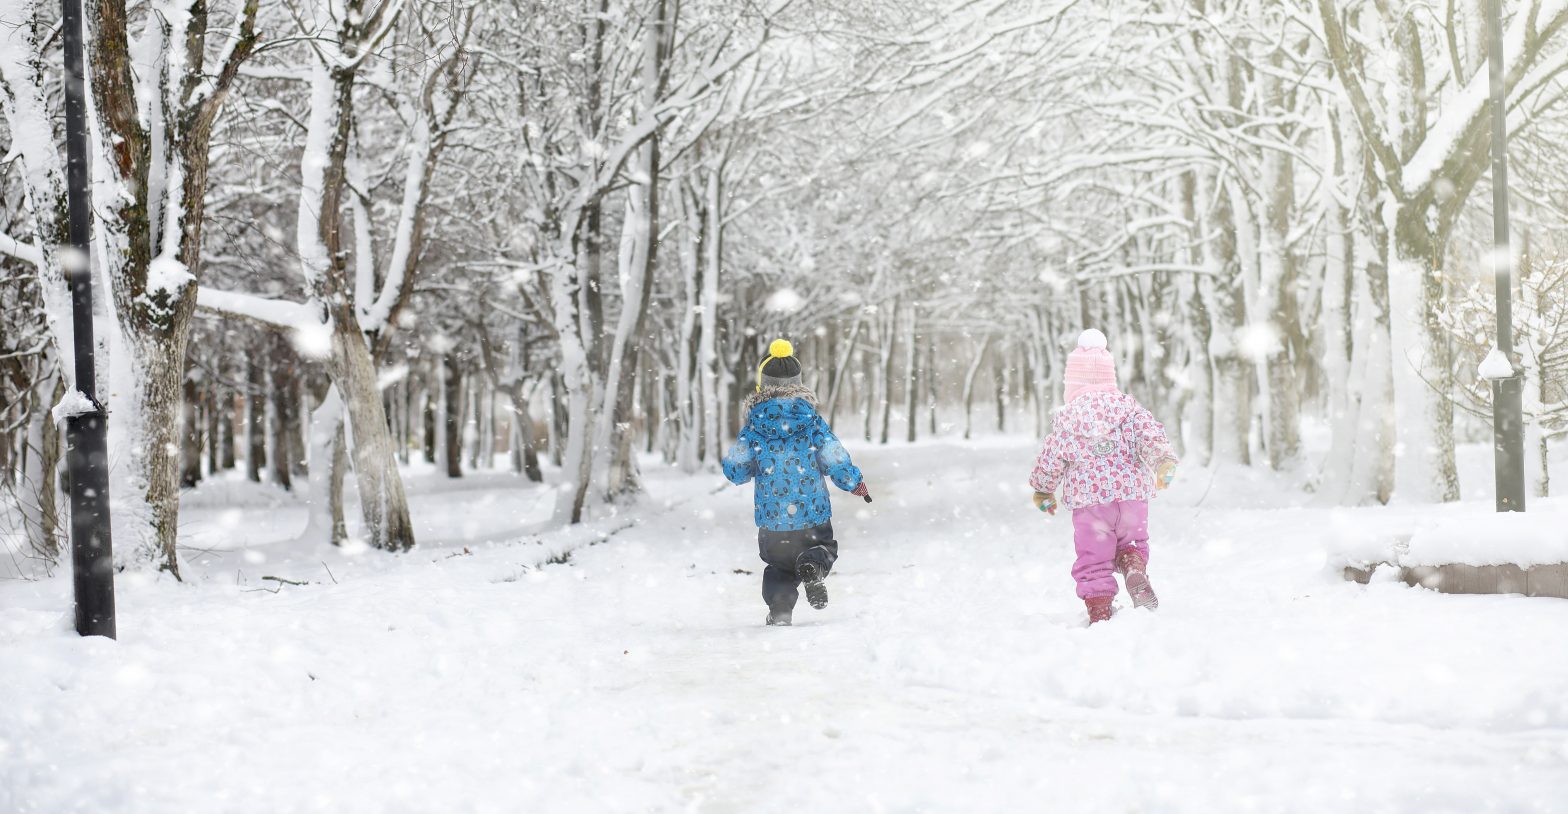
[(278, 314), (26, 252)]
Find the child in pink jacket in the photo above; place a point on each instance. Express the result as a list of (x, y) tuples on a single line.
[(1109, 456)]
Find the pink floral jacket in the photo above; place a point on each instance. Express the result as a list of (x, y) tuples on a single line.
[(1103, 447)]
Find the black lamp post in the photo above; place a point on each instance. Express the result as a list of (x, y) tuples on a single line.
[(1507, 393), (92, 552)]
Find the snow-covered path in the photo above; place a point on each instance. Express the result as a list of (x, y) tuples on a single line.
[(951, 672)]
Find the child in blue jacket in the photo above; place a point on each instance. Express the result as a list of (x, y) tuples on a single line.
[(788, 449)]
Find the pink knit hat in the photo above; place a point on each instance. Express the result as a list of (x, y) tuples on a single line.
[(1090, 368)]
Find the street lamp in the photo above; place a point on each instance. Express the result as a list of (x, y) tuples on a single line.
[(1505, 372), (92, 551)]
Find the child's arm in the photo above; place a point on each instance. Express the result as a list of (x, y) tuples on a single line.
[(1049, 467), (738, 463), (834, 459), (1153, 446)]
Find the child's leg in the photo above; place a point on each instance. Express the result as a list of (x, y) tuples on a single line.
[(814, 563), (792, 557), (780, 589), (1132, 529), (820, 549), (780, 584), (1094, 538), (1132, 552)]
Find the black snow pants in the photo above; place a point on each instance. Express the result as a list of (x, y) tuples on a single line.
[(784, 551)]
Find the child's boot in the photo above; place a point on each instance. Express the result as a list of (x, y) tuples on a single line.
[(779, 618), (1099, 608), (811, 577), (1134, 568)]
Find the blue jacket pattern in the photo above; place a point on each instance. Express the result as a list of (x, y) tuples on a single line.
[(789, 449)]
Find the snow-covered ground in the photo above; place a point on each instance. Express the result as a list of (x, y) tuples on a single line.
[(951, 672)]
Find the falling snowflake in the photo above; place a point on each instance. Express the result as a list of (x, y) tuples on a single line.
[(784, 301)]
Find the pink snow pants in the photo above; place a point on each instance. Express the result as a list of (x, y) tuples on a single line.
[(1098, 533)]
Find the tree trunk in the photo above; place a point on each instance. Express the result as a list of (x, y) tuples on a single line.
[(1537, 390), (1423, 368), (1339, 338), (1372, 473), (285, 420), (405, 420), (150, 235), (1039, 382), (999, 375), (575, 305), (969, 385), (557, 422), (1278, 295), (37, 495), (654, 392), (11, 444), (524, 434), (224, 408), (429, 417), (255, 418), (1199, 367), (328, 460), (617, 462), (708, 347), (1233, 379), (931, 381), (519, 445), (382, 502), (1200, 370), (209, 415), (911, 374), (473, 422), (486, 425), (156, 377), (885, 373), (452, 413), (688, 391), (869, 391), (843, 365), (190, 431)]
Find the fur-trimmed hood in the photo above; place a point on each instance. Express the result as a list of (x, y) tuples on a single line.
[(779, 412), (790, 391)]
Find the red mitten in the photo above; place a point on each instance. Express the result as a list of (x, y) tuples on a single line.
[(861, 491)]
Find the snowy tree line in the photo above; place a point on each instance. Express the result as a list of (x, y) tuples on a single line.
[(336, 235)]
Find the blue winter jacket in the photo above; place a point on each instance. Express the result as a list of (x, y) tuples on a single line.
[(789, 449)]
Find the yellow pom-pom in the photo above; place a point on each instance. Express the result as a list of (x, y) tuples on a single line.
[(781, 349)]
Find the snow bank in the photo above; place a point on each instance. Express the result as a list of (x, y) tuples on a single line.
[(1461, 535), (1362, 546), (1505, 538)]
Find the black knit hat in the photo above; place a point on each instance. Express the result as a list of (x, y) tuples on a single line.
[(781, 368)]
